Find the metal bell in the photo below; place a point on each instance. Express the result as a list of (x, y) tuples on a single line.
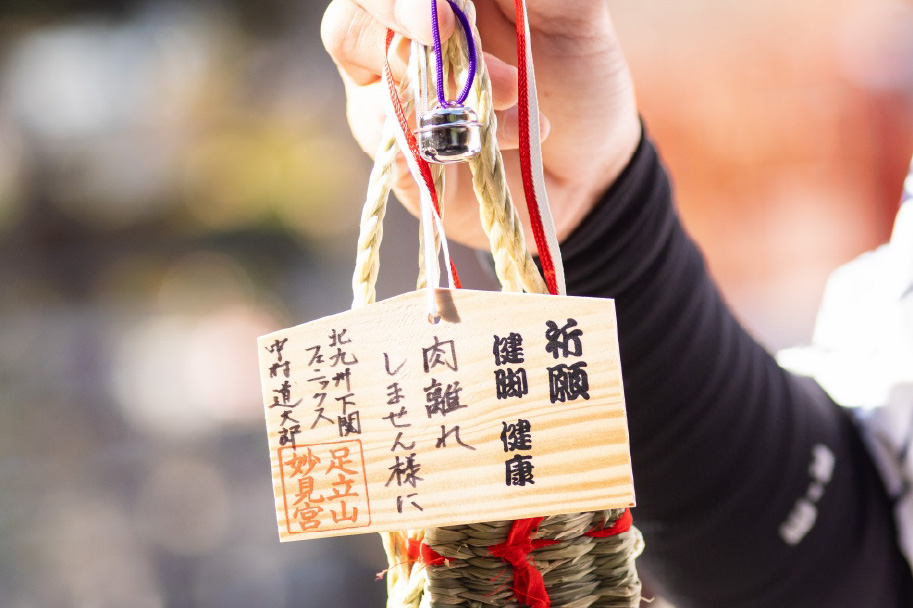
[(449, 134)]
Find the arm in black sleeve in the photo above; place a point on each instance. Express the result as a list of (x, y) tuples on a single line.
[(737, 498)]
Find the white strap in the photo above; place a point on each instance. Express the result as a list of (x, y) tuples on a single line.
[(429, 217)]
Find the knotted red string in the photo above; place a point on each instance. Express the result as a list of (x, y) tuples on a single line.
[(622, 524), (529, 586), (417, 551)]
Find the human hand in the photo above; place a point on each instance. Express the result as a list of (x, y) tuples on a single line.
[(591, 126)]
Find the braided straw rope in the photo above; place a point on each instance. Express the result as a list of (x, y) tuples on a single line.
[(513, 263), (371, 232), (580, 571)]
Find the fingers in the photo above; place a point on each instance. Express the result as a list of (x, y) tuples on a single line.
[(504, 94), (354, 40), (413, 18), (508, 133), (354, 33), (503, 82), (404, 186), (366, 114)]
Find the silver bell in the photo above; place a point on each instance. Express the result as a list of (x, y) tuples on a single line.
[(449, 134)]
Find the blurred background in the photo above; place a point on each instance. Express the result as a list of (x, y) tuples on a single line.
[(177, 179)]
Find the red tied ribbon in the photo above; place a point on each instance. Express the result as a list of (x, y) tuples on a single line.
[(417, 551), (529, 586), (622, 524)]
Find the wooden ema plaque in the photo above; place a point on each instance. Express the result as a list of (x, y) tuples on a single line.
[(511, 406)]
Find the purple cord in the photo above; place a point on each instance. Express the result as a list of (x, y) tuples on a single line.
[(471, 47)]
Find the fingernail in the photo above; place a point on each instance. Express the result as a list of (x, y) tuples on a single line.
[(545, 126), (510, 125), (414, 16)]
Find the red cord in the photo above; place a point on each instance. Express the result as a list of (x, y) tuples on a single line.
[(417, 551), (529, 189), (622, 524)]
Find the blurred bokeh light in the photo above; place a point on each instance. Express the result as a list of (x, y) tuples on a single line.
[(177, 179)]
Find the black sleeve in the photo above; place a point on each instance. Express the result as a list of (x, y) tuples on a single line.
[(753, 488)]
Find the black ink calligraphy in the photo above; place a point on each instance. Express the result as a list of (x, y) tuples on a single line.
[(441, 400), (568, 382), (517, 435), (440, 354), (508, 350), (519, 471), (455, 431), (563, 341)]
